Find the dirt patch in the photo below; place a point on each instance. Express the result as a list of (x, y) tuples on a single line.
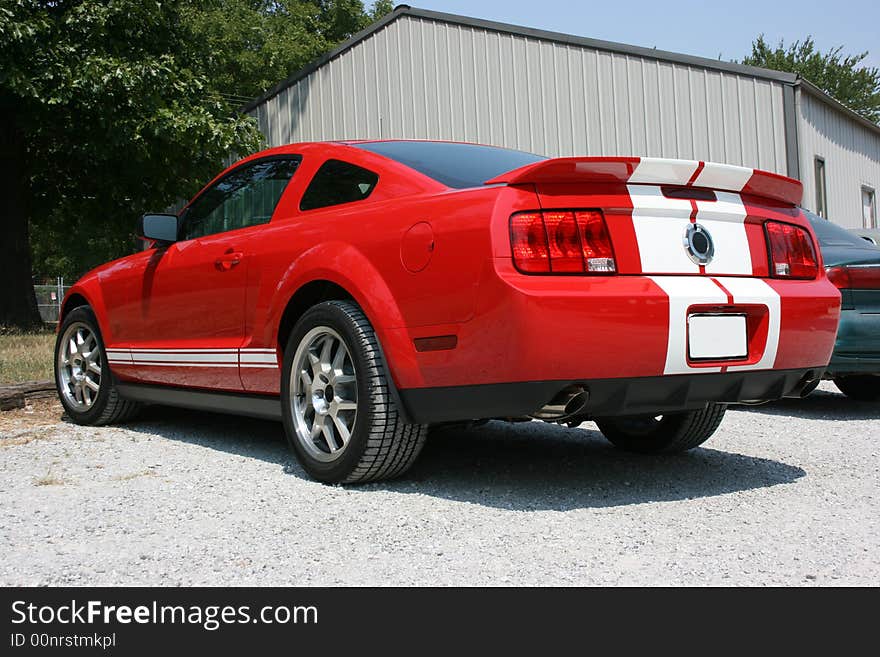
[(36, 413)]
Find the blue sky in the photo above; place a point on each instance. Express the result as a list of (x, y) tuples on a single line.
[(708, 29)]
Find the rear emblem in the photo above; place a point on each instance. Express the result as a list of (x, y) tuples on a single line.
[(698, 244)]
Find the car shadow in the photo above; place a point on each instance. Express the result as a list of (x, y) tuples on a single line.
[(820, 405), (524, 466)]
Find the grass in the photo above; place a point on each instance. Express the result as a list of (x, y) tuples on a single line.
[(26, 356)]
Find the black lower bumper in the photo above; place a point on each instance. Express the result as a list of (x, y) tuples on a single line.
[(607, 397)]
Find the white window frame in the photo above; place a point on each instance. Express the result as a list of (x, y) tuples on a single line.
[(868, 222), (820, 175)]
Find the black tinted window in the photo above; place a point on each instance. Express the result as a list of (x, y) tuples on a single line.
[(338, 182), (246, 196), (454, 165), (830, 234)]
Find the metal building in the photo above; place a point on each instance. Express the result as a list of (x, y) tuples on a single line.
[(428, 75)]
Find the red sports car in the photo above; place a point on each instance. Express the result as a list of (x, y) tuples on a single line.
[(363, 291)]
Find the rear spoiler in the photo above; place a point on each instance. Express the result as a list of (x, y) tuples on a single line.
[(656, 171)]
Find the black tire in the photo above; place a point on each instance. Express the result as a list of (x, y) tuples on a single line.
[(670, 433), (381, 445), (107, 407), (861, 387)]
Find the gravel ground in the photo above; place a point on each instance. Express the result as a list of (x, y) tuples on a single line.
[(783, 494)]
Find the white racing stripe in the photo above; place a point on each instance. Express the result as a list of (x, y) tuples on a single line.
[(683, 292), (659, 171), (724, 219), (756, 291), (660, 225), (723, 176)]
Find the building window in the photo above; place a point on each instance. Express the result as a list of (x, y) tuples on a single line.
[(821, 191), (869, 208)]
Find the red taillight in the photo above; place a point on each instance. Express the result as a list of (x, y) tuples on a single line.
[(528, 239), (598, 254), (561, 242), (855, 277), (791, 251), (565, 245)]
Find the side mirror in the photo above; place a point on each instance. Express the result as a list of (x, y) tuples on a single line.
[(159, 227)]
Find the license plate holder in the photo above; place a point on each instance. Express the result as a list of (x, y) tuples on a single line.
[(717, 336)]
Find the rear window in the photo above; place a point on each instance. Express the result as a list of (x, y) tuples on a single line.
[(452, 164), (338, 182), (830, 234)]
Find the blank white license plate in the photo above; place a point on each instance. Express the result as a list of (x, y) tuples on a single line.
[(717, 336)]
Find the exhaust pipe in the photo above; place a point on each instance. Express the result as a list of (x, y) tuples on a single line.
[(567, 403)]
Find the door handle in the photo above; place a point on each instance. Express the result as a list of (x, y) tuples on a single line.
[(228, 260)]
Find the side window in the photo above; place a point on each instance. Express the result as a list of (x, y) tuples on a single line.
[(245, 197), (338, 182)]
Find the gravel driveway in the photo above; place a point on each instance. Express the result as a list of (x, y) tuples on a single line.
[(784, 494)]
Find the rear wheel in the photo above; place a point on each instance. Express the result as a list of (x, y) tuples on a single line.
[(861, 387), (339, 416), (673, 432), (82, 376)]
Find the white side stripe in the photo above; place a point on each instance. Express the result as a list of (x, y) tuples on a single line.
[(259, 358), (254, 357)]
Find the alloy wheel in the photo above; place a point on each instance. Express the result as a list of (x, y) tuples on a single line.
[(324, 398), (80, 366)]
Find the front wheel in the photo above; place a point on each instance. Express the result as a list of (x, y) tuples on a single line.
[(670, 433), (861, 387), (339, 416), (85, 386)]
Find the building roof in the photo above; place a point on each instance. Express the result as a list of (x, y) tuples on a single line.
[(558, 37)]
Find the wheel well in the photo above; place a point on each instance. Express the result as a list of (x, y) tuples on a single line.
[(304, 298), (71, 302)]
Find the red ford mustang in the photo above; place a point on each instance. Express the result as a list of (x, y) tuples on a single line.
[(363, 291)]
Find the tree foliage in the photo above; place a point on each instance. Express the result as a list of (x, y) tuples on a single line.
[(249, 46), (116, 107), (840, 75)]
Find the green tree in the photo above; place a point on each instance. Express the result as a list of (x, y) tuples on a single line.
[(109, 108), (248, 46), (840, 75), (102, 118)]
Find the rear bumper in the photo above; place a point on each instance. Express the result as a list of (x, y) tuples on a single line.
[(857, 350), (589, 328), (607, 397)]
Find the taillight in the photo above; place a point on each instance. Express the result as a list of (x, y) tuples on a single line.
[(791, 251), (561, 242), (528, 239), (855, 277)]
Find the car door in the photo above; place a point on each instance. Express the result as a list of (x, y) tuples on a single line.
[(184, 322)]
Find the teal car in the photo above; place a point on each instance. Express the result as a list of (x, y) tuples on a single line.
[(853, 265)]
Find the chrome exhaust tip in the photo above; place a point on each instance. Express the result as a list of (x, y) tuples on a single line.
[(567, 403)]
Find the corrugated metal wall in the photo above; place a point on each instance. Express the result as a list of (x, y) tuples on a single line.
[(419, 78), (851, 153)]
